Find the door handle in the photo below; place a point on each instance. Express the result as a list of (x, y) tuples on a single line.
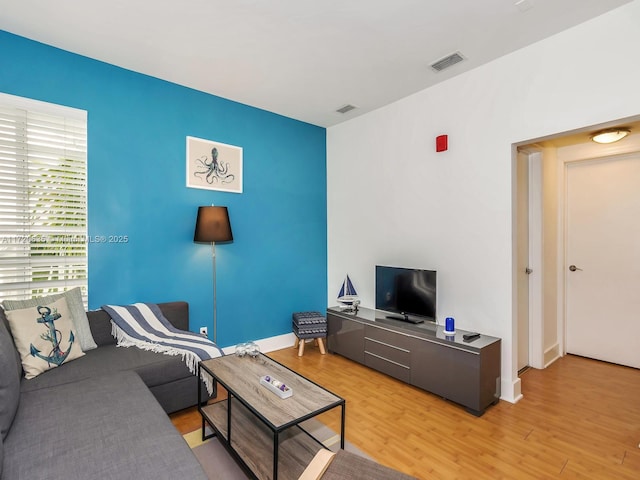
[(573, 268), (528, 271)]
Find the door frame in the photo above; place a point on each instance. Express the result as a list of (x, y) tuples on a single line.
[(536, 298), (531, 159)]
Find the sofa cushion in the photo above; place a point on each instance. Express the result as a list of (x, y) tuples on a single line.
[(9, 381), (5, 322), (100, 324), (76, 307), (153, 368), (44, 336), (104, 427)]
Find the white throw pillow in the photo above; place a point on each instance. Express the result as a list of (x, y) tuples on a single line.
[(44, 336)]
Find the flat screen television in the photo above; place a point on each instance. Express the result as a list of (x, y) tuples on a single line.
[(408, 294)]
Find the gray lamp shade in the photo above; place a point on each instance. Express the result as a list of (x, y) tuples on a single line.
[(212, 225)]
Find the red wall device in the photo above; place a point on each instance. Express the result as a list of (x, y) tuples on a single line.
[(442, 143)]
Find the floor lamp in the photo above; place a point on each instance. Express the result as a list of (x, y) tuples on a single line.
[(212, 225)]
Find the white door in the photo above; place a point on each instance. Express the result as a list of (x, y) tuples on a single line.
[(603, 259)]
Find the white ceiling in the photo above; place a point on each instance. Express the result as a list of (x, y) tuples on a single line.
[(300, 58)]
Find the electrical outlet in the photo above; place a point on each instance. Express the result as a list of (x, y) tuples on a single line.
[(203, 331)]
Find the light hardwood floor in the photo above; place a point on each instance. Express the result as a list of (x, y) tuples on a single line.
[(579, 418)]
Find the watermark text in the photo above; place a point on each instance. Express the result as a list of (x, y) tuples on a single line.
[(61, 239)]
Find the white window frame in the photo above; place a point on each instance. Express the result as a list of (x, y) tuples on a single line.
[(43, 198)]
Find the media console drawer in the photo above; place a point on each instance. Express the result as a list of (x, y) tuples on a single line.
[(388, 337), (389, 352), (399, 355), (388, 367)]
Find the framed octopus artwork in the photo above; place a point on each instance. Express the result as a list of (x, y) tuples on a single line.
[(214, 165)]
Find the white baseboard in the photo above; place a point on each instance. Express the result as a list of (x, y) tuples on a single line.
[(269, 344), (511, 391), (551, 354)]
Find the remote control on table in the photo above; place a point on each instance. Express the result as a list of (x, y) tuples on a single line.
[(470, 336)]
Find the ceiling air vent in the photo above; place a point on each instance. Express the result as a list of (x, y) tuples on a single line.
[(446, 62), (346, 108)]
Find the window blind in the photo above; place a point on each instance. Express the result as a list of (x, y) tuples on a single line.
[(43, 199)]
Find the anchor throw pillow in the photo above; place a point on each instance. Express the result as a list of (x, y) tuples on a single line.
[(76, 307), (44, 336)]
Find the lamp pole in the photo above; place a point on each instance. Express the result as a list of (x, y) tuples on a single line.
[(215, 307)]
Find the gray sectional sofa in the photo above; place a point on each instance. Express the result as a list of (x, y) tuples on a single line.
[(101, 416)]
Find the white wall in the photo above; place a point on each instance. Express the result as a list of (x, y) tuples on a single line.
[(393, 200)]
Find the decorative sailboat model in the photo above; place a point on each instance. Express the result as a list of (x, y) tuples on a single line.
[(348, 295)]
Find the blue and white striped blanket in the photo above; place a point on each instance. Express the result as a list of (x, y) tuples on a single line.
[(144, 326)]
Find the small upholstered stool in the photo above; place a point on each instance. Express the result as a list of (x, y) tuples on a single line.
[(309, 325)]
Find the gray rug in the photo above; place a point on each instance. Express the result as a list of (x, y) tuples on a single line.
[(220, 465), (217, 463)]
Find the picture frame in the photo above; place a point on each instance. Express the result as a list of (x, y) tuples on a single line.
[(213, 165)]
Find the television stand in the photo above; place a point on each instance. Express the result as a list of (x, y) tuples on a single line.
[(422, 355)]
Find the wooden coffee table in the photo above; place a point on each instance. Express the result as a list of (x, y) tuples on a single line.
[(258, 427)]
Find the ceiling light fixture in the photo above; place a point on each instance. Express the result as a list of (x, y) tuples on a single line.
[(610, 135)]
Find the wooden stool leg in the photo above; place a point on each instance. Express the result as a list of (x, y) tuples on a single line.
[(321, 345), (301, 348), (295, 345)]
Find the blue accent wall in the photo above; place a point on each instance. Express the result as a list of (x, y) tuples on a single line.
[(137, 129)]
